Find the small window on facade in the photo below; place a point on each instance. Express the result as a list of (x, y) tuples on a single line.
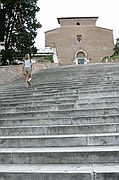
[(79, 38), (78, 23)]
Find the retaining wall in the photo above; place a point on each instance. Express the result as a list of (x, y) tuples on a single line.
[(8, 73)]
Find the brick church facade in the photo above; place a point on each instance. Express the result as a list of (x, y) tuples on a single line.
[(79, 39)]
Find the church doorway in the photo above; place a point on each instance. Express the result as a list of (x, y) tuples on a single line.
[(81, 57)]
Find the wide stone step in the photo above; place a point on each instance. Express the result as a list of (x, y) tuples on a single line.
[(97, 94), (96, 105), (105, 101), (37, 102), (59, 129), (65, 140), (39, 94), (55, 105), (80, 94), (67, 155), (33, 107), (38, 97), (67, 81), (56, 100), (108, 171), (59, 107), (36, 113), (67, 87), (20, 121)]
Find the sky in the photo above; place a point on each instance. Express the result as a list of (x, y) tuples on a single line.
[(50, 10)]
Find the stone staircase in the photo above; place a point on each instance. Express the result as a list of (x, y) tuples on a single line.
[(64, 127)]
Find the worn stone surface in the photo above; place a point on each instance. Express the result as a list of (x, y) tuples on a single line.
[(65, 126)]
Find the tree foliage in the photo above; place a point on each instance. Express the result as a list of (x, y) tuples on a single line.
[(20, 28), (116, 48)]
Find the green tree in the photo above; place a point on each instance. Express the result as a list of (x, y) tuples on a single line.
[(49, 57), (20, 28), (116, 48)]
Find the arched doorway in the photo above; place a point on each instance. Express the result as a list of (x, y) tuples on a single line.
[(81, 57)]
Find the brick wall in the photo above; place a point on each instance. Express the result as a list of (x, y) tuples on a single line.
[(96, 42)]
